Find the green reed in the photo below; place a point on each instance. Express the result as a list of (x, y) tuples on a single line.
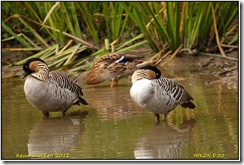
[(167, 27), (173, 24)]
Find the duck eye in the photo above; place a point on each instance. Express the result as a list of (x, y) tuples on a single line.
[(26, 67)]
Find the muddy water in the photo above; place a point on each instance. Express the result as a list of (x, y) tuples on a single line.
[(113, 127)]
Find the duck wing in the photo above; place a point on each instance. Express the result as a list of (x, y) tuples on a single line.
[(111, 59), (63, 81), (107, 59), (175, 91)]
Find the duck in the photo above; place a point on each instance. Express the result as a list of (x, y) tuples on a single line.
[(49, 91), (158, 94), (111, 67)]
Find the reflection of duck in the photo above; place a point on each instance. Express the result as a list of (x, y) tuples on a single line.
[(112, 66), (54, 137), (164, 142), (159, 94), (49, 91)]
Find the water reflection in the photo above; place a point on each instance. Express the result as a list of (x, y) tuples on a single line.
[(164, 141), (111, 103), (116, 128), (54, 137)]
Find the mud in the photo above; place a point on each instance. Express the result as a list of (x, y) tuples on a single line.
[(223, 69)]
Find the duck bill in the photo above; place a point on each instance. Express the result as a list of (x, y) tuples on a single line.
[(24, 75)]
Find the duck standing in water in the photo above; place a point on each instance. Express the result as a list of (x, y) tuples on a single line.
[(49, 91), (156, 93), (111, 67)]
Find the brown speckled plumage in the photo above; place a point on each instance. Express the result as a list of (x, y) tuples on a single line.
[(112, 67)]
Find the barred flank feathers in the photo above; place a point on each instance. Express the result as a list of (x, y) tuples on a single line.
[(64, 82), (176, 91)]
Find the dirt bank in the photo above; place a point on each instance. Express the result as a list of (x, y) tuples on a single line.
[(224, 70)]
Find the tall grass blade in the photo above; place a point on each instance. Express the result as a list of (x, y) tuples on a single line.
[(18, 38)]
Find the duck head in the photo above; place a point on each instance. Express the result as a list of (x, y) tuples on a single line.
[(146, 72), (33, 65)]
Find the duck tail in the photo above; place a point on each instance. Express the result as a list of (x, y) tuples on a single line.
[(80, 100), (188, 104)]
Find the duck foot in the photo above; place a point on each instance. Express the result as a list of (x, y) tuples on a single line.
[(45, 113)]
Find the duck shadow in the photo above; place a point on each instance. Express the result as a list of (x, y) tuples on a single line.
[(164, 141), (54, 137)]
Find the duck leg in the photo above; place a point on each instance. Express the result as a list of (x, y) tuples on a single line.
[(157, 118), (112, 84), (45, 113), (165, 117), (117, 83)]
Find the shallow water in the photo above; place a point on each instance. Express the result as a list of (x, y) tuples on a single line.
[(113, 127)]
